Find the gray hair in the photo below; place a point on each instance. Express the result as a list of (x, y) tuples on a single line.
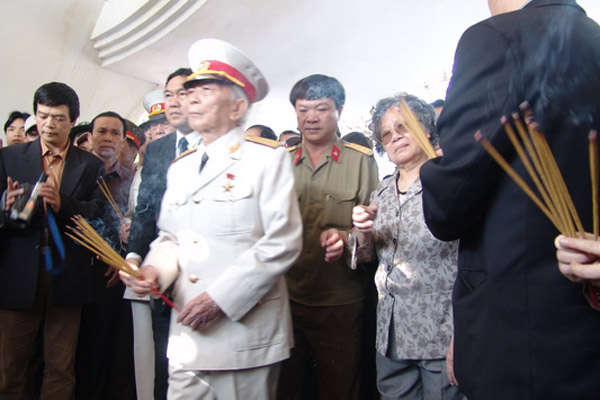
[(238, 93), (422, 110)]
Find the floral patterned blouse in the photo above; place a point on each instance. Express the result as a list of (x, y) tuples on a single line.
[(414, 278)]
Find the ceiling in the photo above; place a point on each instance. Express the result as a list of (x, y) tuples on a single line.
[(375, 48)]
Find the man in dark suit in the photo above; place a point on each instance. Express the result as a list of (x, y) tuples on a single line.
[(159, 155), (143, 231), (34, 300), (104, 362), (522, 331)]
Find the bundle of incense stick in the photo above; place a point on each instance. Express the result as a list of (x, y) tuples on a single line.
[(85, 235), (533, 150), (111, 200), (413, 125)]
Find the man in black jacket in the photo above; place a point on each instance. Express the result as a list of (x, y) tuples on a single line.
[(143, 231), (33, 299), (522, 331)]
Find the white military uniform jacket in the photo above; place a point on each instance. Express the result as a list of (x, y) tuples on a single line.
[(232, 231)]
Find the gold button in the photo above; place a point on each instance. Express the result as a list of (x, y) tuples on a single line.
[(193, 278)]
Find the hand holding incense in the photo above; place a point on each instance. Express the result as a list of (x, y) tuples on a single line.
[(85, 235)]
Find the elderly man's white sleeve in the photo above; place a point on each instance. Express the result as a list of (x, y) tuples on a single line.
[(257, 270), (163, 256)]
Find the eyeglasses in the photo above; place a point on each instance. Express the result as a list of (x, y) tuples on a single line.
[(388, 135)]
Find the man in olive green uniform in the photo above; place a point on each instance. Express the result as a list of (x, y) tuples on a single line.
[(326, 296)]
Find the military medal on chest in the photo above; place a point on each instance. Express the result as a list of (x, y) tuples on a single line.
[(229, 183)]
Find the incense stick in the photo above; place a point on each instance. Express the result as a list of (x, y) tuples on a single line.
[(537, 180), (111, 200), (553, 185), (85, 235), (414, 126), (593, 150), (534, 152), (563, 190), (513, 174)]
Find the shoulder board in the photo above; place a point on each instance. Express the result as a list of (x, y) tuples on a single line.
[(185, 153), (359, 148), (292, 148), (264, 141)]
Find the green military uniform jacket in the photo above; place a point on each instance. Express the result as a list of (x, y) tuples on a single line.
[(346, 176)]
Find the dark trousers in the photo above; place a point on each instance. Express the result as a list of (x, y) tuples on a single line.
[(20, 333), (161, 318), (332, 337), (104, 365)]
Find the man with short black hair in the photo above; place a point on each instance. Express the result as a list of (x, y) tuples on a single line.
[(159, 154), (14, 128), (105, 361), (108, 138), (262, 131), (326, 296), (41, 293)]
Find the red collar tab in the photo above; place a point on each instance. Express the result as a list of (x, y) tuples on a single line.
[(335, 153), (129, 135), (298, 156), (212, 67)]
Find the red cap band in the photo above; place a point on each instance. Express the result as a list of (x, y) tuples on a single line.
[(211, 67), (133, 138)]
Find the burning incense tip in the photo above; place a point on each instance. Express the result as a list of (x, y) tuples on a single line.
[(524, 105), (478, 136), (593, 135), (503, 120), (533, 125)]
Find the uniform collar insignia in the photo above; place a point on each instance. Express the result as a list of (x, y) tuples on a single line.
[(298, 156), (235, 147), (335, 153)]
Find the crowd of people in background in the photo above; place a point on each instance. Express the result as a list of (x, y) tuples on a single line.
[(290, 269)]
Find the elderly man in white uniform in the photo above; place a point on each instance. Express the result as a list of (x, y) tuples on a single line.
[(229, 229)]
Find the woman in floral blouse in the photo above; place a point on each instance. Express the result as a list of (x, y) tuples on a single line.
[(416, 271)]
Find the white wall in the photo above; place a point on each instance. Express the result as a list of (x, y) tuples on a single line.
[(49, 41)]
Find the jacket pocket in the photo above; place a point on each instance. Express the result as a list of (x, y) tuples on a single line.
[(338, 209), (229, 210)]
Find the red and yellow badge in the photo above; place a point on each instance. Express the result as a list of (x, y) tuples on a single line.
[(335, 153), (204, 65), (157, 108), (229, 184)]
